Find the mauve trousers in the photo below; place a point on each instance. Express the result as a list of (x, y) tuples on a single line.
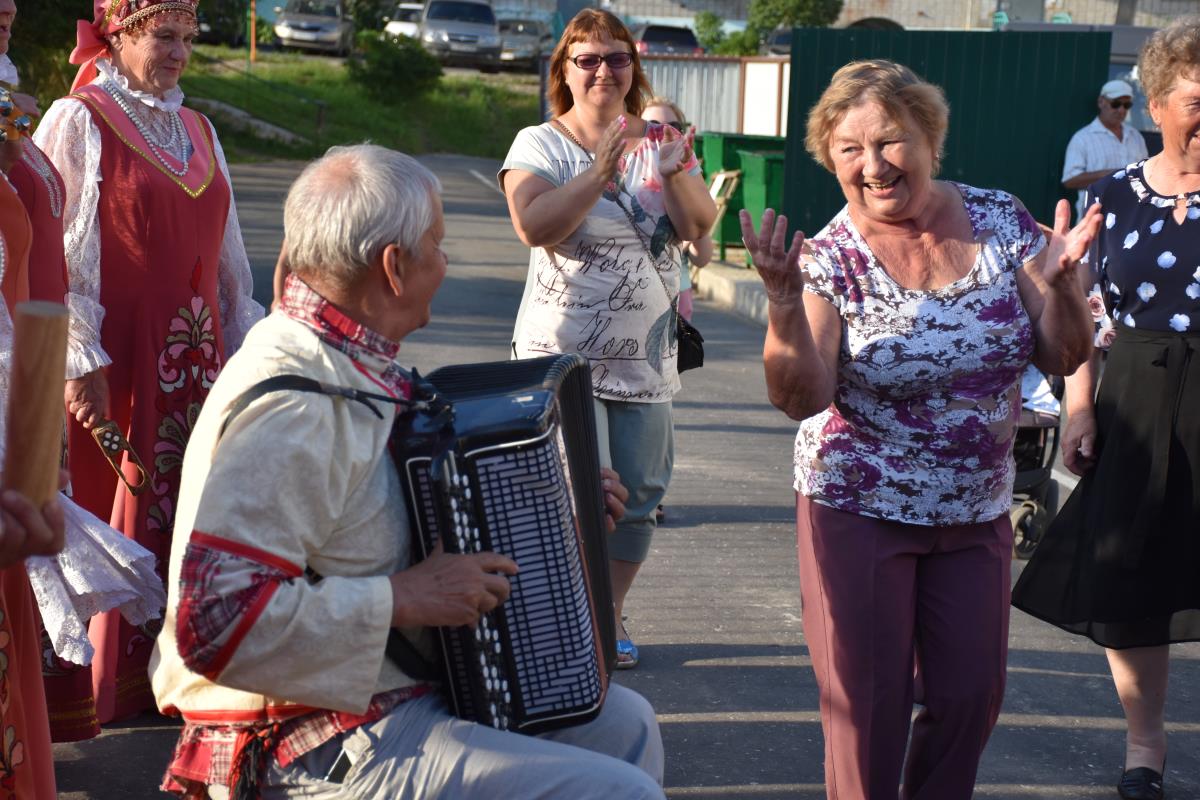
[(896, 613)]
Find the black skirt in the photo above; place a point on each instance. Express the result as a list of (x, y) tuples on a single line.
[(1121, 562)]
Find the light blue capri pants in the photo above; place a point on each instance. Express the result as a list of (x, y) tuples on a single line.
[(638, 441)]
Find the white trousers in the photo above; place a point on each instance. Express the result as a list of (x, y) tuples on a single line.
[(421, 751)]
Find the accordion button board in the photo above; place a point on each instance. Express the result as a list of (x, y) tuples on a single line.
[(520, 480)]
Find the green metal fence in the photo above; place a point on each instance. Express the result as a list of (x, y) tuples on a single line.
[(1015, 99)]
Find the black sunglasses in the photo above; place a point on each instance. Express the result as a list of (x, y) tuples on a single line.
[(591, 62), (676, 125), (1126, 104)]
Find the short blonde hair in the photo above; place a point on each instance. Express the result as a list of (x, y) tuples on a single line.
[(895, 87), (1170, 53), (666, 102)]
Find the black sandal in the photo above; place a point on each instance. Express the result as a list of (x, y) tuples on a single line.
[(1141, 783)]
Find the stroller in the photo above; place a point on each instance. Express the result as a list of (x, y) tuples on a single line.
[(1035, 492)]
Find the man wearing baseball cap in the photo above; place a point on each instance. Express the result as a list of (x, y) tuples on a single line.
[(1105, 144)]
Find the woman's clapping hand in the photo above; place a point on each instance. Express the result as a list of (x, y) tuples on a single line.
[(610, 149), (778, 264), (676, 151)]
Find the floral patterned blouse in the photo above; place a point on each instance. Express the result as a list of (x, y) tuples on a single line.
[(1149, 264), (609, 290), (929, 382)]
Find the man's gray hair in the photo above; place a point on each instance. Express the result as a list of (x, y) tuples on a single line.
[(350, 204)]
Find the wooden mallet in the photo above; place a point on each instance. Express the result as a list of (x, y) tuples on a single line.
[(35, 402)]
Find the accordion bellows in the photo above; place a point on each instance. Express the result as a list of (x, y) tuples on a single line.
[(519, 475)]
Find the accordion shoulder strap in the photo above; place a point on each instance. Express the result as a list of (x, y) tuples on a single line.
[(300, 383), (399, 649)]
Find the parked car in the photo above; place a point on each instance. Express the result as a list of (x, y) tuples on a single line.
[(779, 43), (666, 40), (405, 20), (462, 32), (315, 25), (523, 42)]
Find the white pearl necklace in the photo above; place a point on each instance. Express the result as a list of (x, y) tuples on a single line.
[(176, 145), (38, 163)]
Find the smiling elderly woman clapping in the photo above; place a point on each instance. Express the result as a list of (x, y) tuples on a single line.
[(898, 335)]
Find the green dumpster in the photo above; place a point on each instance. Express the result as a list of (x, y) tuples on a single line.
[(762, 182), (722, 151)]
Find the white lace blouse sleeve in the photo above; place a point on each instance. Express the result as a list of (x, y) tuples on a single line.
[(235, 285), (70, 139)]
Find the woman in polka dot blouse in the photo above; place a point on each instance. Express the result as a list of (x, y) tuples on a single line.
[(1120, 563)]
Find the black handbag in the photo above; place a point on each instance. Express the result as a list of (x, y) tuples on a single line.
[(691, 346)]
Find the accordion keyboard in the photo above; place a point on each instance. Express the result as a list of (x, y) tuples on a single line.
[(534, 658)]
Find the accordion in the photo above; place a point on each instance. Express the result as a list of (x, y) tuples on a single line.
[(510, 464)]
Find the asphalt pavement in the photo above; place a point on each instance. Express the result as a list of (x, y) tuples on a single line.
[(716, 608)]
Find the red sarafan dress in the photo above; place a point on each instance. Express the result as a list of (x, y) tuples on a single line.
[(41, 189), (18, 236), (26, 760), (162, 227)]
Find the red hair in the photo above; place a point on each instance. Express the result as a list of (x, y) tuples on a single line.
[(590, 25)]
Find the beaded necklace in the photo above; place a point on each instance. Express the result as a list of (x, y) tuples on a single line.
[(38, 163), (176, 145)]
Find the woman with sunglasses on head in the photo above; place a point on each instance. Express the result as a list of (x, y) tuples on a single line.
[(697, 254), (1120, 564), (605, 202)]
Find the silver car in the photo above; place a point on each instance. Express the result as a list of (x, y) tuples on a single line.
[(405, 20), (462, 32), (523, 42), (315, 25)]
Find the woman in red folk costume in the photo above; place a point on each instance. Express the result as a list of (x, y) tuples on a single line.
[(159, 294), (38, 185)]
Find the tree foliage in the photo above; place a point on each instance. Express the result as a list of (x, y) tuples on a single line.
[(740, 43), (709, 32), (43, 36), (368, 14), (393, 68), (767, 15), (711, 35)]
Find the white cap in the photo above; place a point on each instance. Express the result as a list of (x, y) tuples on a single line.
[(1114, 89)]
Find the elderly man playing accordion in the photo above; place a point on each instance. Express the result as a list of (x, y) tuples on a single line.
[(292, 564)]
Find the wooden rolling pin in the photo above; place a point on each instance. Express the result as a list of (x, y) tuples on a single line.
[(35, 401)]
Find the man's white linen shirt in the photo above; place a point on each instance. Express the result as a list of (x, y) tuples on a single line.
[(1095, 147)]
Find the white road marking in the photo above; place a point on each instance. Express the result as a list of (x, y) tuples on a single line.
[(489, 182), (1071, 722)]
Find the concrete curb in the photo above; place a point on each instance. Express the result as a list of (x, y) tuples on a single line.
[(734, 288)]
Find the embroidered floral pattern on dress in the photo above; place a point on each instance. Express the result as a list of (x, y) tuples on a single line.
[(191, 352), (928, 393), (12, 749), (187, 365)]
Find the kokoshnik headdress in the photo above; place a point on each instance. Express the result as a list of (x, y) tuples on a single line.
[(113, 16)]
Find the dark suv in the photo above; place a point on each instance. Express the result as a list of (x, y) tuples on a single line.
[(666, 40)]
